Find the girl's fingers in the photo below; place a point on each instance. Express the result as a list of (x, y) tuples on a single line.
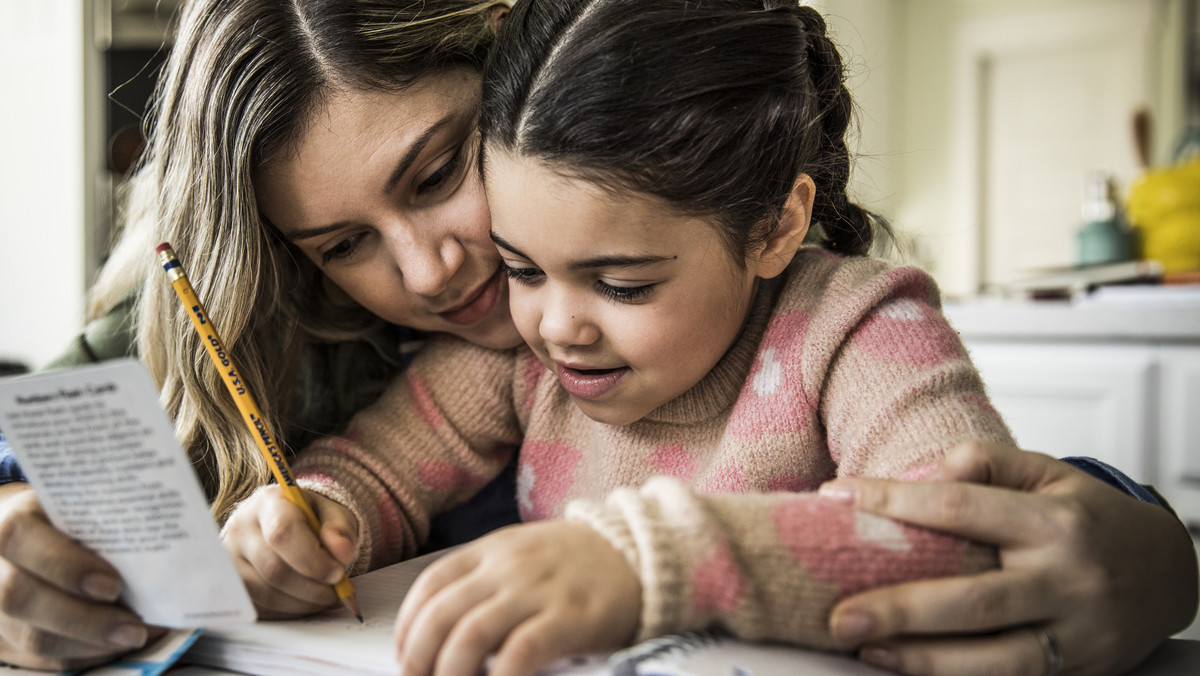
[(276, 588), (976, 603), (1016, 652), (536, 643), (285, 601), (482, 631), (286, 531), (983, 513), (435, 619), (437, 575)]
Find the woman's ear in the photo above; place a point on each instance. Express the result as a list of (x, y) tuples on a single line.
[(781, 246), (497, 13)]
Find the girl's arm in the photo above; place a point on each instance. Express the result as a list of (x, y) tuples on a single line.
[(439, 433)]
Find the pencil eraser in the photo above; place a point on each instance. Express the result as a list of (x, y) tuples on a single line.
[(162, 247)]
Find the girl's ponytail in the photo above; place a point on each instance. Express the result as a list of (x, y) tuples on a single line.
[(847, 228)]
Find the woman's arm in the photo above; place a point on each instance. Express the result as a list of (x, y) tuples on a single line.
[(1109, 575)]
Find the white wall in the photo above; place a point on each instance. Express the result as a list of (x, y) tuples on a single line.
[(42, 178)]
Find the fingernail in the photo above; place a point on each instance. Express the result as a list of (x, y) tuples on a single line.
[(128, 636), (853, 625), (881, 657), (101, 586), (842, 492), (335, 576)]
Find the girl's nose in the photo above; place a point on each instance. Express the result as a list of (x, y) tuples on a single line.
[(567, 324)]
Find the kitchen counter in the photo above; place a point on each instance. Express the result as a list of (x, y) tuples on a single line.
[(1119, 321)]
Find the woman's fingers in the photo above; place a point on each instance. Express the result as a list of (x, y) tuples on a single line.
[(970, 510), (28, 541), (41, 619), (976, 603), (1003, 466), (1016, 652)]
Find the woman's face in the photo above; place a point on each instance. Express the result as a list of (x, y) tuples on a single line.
[(383, 194)]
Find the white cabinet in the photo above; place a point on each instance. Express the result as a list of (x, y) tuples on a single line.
[(1179, 430), (1121, 384), (1076, 399)]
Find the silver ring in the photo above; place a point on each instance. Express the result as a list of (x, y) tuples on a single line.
[(1051, 651)]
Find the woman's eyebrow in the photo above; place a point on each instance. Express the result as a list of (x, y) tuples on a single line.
[(414, 151), (610, 261), (402, 168)]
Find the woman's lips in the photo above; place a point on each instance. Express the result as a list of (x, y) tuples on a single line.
[(477, 306), (590, 383)]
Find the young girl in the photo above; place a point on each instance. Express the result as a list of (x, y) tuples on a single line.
[(692, 369)]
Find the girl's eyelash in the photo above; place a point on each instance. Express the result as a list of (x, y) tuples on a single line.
[(618, 294), (341, 250), (522, 275), (624, 294)]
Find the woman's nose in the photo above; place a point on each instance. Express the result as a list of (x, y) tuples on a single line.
[(428, 264)]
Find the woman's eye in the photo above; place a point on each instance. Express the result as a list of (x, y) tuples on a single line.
[(342, 250), (522, 275), (624, 294), (443, 175)]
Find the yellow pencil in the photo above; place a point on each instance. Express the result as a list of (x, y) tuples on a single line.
[(251, 414)]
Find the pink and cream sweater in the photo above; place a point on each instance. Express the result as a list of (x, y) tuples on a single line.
[(846, 367)]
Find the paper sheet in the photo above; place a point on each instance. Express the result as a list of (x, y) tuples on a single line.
[(100, 453)]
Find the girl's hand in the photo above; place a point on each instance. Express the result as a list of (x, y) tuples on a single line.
[(529, 593), (1110, 576), (288, 570), (57, 597)]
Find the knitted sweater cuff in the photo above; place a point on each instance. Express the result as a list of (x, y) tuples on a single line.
[(366, 540), (646, 549)]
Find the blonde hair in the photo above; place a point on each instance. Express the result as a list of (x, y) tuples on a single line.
[(242, 79)]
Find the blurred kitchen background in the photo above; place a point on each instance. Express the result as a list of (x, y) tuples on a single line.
[(1041, 158)]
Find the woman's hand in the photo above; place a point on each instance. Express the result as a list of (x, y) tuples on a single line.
[(288, 570), (57, 597), (1109, 576), (530, 593)]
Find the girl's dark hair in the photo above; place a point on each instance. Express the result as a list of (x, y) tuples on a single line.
[(715, 106)]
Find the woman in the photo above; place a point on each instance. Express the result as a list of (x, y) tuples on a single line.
[(350, 121)]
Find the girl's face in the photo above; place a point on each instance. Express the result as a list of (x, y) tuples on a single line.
[(629, 302), (383, 195)]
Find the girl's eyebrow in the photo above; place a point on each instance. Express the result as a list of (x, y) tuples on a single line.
[(613, 261)]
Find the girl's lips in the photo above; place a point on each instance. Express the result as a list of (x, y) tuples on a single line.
[(477, 306), (590, 384)]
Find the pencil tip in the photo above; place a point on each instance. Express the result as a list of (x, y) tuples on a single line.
[(351, 603)]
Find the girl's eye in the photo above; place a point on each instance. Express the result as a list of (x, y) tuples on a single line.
[(523, 275), (444, 173), (342, 250), (624, 294)]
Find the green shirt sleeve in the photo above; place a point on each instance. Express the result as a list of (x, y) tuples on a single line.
[(107, 337)]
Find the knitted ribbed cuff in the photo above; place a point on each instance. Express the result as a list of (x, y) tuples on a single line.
[(362, 560), (644, 548)]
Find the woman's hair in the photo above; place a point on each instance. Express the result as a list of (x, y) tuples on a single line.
[(716, 106), (242, 79)]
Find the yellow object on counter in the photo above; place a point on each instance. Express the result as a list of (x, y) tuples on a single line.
[(1164, 204)]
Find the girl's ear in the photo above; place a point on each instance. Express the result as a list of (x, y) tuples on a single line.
[(497, 13), (781, 246)]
